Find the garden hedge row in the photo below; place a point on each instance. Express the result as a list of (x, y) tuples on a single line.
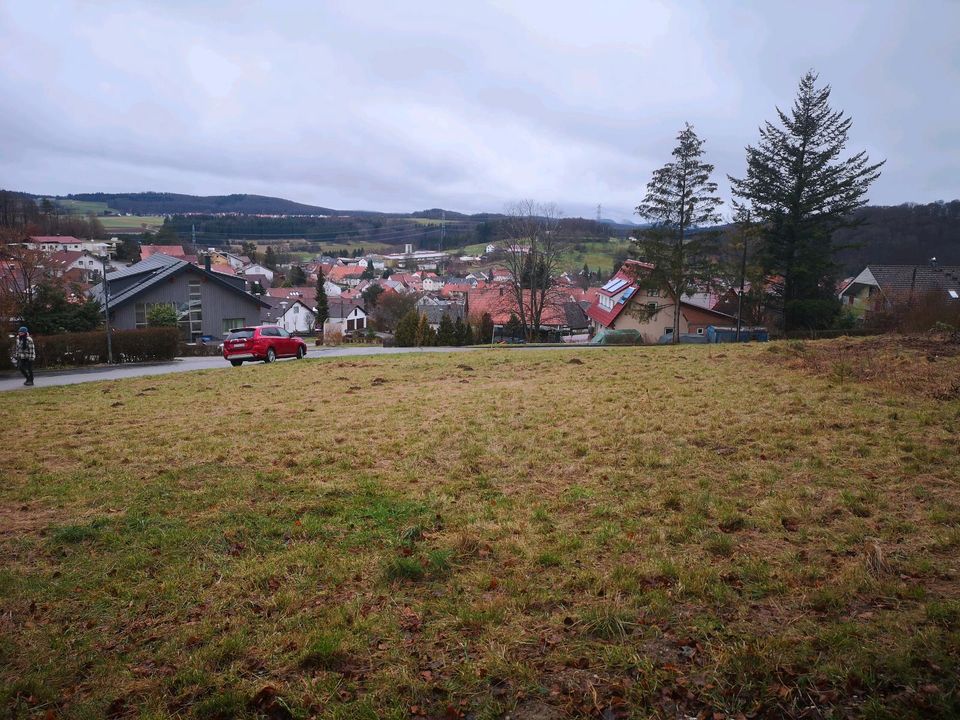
[(90, 348)]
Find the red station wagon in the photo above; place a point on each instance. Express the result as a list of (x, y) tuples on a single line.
[(266, 343)]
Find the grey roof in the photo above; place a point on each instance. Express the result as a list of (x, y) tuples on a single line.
[(576, 317), (153, 270), (435, 313), (900, 278)]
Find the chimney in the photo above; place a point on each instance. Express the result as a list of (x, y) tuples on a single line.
[(408, 249), (933, 263), (206, 262)]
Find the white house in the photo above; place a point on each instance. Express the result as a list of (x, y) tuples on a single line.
[(63, 261), (296, 318), (345, 316), (257, 269), (432, 283)]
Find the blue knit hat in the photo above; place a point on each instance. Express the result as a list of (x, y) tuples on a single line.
[(23, 330)]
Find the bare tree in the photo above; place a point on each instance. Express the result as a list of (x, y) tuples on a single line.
[(532, 255), (21, 271)]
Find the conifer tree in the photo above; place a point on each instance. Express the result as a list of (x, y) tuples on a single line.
[(680, 198), (800, 190), (445, 334), (406, 335), (323, 307), (459, 332), (270, 258)]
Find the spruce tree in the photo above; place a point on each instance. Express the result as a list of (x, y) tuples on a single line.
[(445, 335), (406, 335), (800, 190), (459, 332), (270, 258), (680, 198), (323, 307)]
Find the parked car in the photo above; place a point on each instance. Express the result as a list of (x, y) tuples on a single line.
[(264, 342)]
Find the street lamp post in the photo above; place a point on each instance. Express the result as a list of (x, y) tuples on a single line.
[(106, 308)]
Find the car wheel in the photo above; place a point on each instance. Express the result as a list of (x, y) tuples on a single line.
[(236, 363), (271, 356), (301, 351)]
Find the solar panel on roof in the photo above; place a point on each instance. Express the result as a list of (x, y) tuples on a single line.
[(628, 293), (616, 285), (610, 284)]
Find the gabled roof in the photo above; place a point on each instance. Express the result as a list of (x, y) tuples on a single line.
[(901, 279), (154, 269)]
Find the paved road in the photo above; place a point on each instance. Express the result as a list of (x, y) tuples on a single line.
[(72, 377)]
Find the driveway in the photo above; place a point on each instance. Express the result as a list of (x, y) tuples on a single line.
[(45, 378)]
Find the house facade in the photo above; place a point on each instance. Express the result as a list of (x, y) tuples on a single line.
[(294, 316), (879, 288), (207, 304), (627, 302)]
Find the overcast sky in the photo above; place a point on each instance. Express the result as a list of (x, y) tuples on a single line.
[(401, 106)]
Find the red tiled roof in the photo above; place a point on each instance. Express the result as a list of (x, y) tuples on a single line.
[(171, 250), (63, 258), (501, 303)]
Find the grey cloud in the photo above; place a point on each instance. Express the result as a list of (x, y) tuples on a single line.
[(403, 106)]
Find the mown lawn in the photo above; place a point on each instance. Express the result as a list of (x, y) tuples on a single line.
[(583, 533)]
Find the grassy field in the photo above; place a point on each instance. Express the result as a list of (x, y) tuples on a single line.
[(82, 207), (133, 223), (755, 531), (597, 255)]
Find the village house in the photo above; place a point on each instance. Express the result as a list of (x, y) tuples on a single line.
[(256, 269), (67, 243), (80, 264), (207, 304), (879, 288), (346, 316), (628, 301), (293, 315), (435, 309), (562, 319)]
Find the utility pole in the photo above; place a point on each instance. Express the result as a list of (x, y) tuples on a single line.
[(443, 227), (743, 276), (599, 212), (106, 308), (193, 234)]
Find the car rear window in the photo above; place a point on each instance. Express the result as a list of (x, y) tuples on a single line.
[(241, 334)]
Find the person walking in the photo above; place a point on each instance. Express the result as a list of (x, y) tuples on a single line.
[(24, 353)]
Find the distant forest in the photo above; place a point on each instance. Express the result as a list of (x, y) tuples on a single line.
[(906, 234), (155, 203)]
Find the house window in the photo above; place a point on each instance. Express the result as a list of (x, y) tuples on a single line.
[(190, 314), (229, 324), (699, 331), (651, 307), (141, 312), (296, 309), (653, 292)]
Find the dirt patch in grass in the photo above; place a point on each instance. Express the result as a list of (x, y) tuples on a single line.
[(927, 365), (658, 532)]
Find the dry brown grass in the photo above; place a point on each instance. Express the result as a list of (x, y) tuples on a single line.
[(655, 531)]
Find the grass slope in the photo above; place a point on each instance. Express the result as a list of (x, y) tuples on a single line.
[(610, 533)]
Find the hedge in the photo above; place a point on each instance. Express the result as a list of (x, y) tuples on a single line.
[(90, 348)]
